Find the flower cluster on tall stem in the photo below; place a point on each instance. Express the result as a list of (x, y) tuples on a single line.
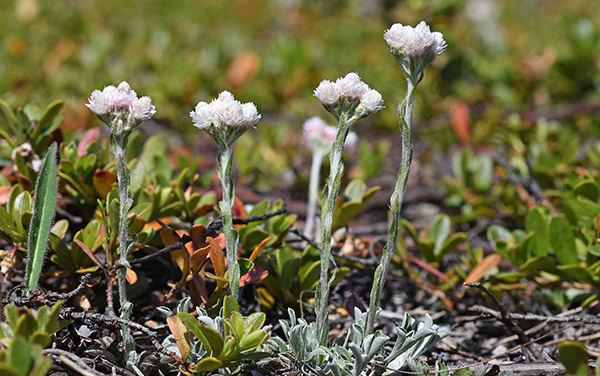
[(319, 138), (121, 109), (225, 120), (349, 100), (414, 49)]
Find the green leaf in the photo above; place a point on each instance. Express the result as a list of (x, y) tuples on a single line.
[(451, 243), (563, 241), (10, 123), (230, 305), (289, 273), (587, 188), (193, 326), (42, 317), (45, 123), (236, 323), (539, 263), (252, 340), (255, 321), (208, 364), (26, 325), (41, 367), (309, 279), (439, 231), (52, 324), (17, 355), (536, 222), (42, 339), (355, 190), (483, 173), (11, 312), (22, 204), (245, 266), (214, 339), (260, 209), (573, 355), (43, 214), (63, 256), (6, 222)]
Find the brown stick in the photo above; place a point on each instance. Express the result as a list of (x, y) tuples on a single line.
[(506, 317)]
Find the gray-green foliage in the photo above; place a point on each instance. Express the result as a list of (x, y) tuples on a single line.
[(351, 355)]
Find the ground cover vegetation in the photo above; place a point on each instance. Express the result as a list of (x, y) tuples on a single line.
[(259, 210)]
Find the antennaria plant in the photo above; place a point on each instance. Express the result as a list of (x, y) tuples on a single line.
[(44, 204), (349, 100), (414, 49), (121, 109)]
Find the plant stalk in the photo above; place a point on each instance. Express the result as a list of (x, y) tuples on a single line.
[(405, 111), (225, 161), (330, 192), (313, 192), (118, 145)]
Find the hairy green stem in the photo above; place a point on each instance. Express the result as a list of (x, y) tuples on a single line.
[(405, 111), (330, 192), (313, 192), (225, 160), (118, 145)]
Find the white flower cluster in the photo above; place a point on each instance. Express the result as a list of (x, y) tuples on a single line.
[(414, 47), (225, 118), (349, 94), (116, 106), (224, 111), (319, 136)]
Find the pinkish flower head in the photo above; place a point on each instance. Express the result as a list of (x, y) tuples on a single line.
[(320, 136), (345, 95), (370, 102), (351, 86), (414, 48), (328, 93), (225, 118), (225, 111), (120, 103)]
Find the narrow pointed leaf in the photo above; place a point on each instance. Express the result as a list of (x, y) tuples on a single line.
[(44, 205)]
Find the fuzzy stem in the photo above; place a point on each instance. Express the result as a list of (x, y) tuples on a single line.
[(313, 192), (330, 192), (225, 160), (405, 111), (118, 144)]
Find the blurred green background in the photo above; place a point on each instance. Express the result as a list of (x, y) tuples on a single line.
[(502, 55)]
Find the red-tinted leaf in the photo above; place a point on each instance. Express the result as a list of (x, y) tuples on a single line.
[(460, 119), (130, 276), (258, 249), (198, 235), (103, 181), (244, 66), (432, 270), (88, 137), (216, 256), (89, 252), (488, 263), (182, 337), (254, 275), (198, 257), (238, 209)]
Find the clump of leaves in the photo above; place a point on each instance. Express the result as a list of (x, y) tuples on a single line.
[(222, 342), (23, 337)]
